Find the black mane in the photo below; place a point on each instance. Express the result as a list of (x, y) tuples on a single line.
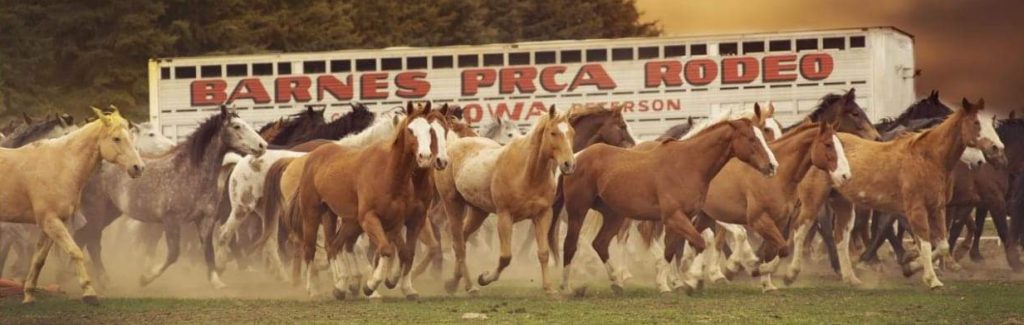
[(30, 133), (196, 144), (358, 119), (292, 124), (823, 106)]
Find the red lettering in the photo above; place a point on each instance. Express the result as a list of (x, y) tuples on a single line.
[(501, 109), (663, 72), (209, 92), (337, 89), (537, 109), (472, 79), (370, 85), (472, 113), (816, 66), (739, 70), (293, 87), (673, 105), (592, 75), (517, 78), (776, 66), (250, 88), (701, 72), (547, 79), (412, 84)]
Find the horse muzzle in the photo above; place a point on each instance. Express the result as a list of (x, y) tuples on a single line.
[(769, 171), (135, 171), (440, 163), (567, 168)]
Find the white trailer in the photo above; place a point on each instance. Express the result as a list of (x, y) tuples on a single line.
[(659, 81)]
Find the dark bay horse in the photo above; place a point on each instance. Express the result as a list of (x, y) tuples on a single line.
[(294, 128), (180, 188)]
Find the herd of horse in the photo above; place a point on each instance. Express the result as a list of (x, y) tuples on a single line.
[(417, 177)]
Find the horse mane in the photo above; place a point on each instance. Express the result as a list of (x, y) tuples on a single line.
[(586, 111), (823, 106), (1010, 127), (490, 129), (29, 133), (677, 131), (291, 124), (356, 120), (797, 129), (382, 127), (707, 124), (195, 145)]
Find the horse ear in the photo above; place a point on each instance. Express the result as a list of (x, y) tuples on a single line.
[(101, 116), (28, 119), (445, 111), (409, 108), (981, 104), (689, 120), (771, 109), (224, 110), (551, 111), (757, 112), (850, 95)]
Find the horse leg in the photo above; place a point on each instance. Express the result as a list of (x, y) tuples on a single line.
[(997, 206), (373, 228), (271, 247), (408, 254), (860, 230), (610, 226), (38, 259), (919, 226), (826, 222), (53, 228), (882, 224), (1013, 238), (541, 227), (433, 246), (505, 223), (456, 211), (980, 213), (940, 237), (239, 213), (205, 228), (960, 217), (172, 234), (844, 211), (774, 245), (679, 223)]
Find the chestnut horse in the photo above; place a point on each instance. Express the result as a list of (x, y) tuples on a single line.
[(668, 182), (891, 177), (49, 193), (378, 189), (516, 181)]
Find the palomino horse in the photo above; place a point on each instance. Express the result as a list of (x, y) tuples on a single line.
[(668, 182), (738, 195), (47, 195), (891, 176), (516, 181), (180, 188), (246, 186), (378, 189)]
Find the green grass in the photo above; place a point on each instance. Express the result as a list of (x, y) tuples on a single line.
[(988, 302)]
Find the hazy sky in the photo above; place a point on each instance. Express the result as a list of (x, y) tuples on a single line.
[(972, 48)]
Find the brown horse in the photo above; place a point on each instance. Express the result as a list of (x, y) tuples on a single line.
[(378, 189), (892, 176), (738, 195), (272, 129), (667, 183), (48, 193), (516, 181)]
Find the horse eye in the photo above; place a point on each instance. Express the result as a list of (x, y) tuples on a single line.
[(117, 140), (238, 127), (152, 135), (828, 145)]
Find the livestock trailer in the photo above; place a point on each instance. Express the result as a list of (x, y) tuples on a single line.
[(659, 81)]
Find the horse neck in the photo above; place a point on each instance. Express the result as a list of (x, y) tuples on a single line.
[(538, 161), (943, 143), (713, 143), (83, 146), (400, 165), (586, 134), (794, 155)]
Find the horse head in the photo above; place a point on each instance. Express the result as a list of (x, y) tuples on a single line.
[(115, 142)]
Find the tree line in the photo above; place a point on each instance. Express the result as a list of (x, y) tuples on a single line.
[(61, 56)]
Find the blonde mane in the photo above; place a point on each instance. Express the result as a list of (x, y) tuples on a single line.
[(720, 118)]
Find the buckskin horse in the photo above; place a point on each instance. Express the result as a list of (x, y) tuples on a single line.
[(891, 176), (667, 183), (48, 194), (516, 181)]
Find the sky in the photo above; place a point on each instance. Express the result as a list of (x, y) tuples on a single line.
[(969, 48)]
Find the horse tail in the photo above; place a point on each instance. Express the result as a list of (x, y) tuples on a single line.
[(648, 231), (272, 198), (556, 211)]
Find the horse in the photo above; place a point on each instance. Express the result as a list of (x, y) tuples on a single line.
[(296, 127), (180, 187), (890, 176), (246, 186), (378, 189), (520, 187), (668, 182), (270, 130), (500, 129), (50, 203)]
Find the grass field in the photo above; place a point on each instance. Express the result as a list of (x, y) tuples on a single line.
[(987, 302)]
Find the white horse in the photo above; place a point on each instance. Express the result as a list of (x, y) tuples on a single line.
[(245, 190), (501, 130)]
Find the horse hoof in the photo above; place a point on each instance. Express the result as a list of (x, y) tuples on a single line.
[(582, 292), (143, 281), (353, 289), (412, 297), (729, 275), (91, 300), (935, 286), (907, 270), (617, 289), (481, 281), (700, 284), (338, 294), (756, 272), (368, 291), (389, 284), (688, 290), (451, 285), (473, 292)]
